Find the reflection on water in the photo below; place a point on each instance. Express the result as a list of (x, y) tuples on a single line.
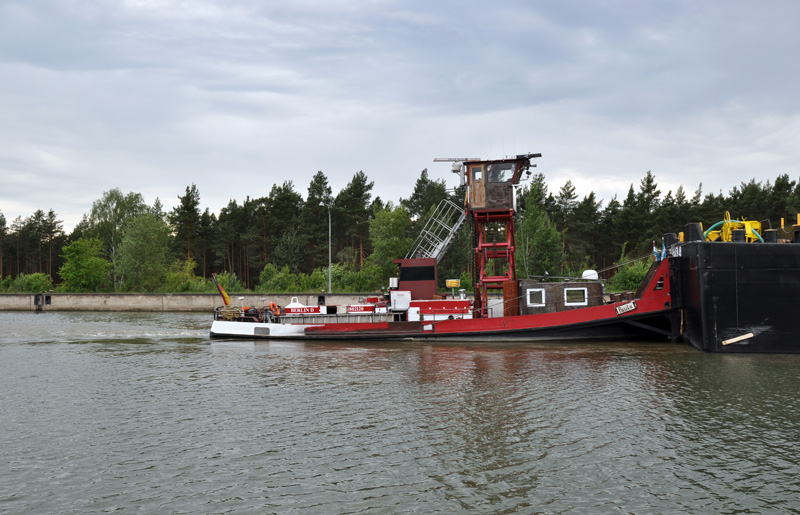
[(110, 412)]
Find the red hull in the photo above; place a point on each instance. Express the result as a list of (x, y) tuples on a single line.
[(649, 314)]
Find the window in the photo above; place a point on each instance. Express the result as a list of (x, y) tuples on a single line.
[(576, 297), (477, 173), (535, 297), (500, 172)]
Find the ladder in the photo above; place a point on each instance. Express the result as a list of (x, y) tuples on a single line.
[(439, 231)]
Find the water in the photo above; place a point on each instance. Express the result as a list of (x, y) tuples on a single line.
[(142, 413)]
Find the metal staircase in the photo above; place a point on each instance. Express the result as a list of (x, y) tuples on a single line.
[(439, 231)]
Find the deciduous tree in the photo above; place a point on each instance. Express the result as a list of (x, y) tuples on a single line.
[(538, 241), (388, 230), (107, 220), (84, 268), (142, 260)]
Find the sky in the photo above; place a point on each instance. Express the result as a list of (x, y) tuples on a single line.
[(151, 96)]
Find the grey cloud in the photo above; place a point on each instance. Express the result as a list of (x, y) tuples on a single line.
[(153, 96)]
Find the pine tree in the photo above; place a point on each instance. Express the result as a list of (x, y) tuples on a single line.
[(52, 228), (206, 237), (426, 194), (185, 219), (3, 236), (351, 216), (582, 237), (314, 222)]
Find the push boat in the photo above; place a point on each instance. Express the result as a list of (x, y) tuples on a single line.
[(726, 289)]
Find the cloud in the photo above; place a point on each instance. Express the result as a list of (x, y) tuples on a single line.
[(234, 96)]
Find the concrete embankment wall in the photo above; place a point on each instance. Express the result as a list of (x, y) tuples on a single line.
[(202, 302)]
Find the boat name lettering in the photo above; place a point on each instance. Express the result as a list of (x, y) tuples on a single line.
[(360, 309), (625, 308)]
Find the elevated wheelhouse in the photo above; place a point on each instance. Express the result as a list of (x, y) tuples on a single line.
[(491, 201)]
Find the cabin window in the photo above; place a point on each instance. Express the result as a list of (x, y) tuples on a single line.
[(499, 172), (660, 283), (535, 297), (477, 173), (576, 297)]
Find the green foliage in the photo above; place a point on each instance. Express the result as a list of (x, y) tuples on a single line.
[(281, 280), (556, 233), (351, 213), (316, 281), (466, 282), (426, 194), (108, 218), (231, 283), (180, 278), (288, 250), (3, 237), (185, 221), (30, 244), (84, 270), (368, 278), (629, 275), (141, 263), (577, 268), (539, 246), (580, 235), (344, 279), (27, 283), (388, 231), (314, 222), (565, 204), (277, 280)]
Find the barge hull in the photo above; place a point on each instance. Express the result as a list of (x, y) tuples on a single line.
[(737, 297)]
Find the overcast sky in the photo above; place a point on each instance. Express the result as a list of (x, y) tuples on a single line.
[(234, 96)]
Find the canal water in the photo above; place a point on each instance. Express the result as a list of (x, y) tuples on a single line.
[(143, 413)]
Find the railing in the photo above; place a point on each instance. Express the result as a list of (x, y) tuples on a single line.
[(438, 232)]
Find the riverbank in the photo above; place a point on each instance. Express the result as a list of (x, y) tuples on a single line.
[(159, 302)]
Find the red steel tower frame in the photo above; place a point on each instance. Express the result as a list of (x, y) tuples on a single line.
[(491, 201)]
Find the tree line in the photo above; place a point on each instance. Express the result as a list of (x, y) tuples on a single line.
[(563, 233), (279, 242)]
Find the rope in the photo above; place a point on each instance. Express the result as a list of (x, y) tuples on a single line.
[(548, 286), (640, 258)]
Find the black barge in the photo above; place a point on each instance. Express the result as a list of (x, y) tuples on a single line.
[(735, 296)]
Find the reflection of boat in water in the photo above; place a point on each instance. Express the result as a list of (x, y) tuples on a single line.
[(725, 290)]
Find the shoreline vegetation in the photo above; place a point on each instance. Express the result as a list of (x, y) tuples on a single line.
[(154, 302), (279, 243)]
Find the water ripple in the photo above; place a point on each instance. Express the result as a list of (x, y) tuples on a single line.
[(135, 412)]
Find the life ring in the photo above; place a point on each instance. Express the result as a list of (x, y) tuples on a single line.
[(274, 308)]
